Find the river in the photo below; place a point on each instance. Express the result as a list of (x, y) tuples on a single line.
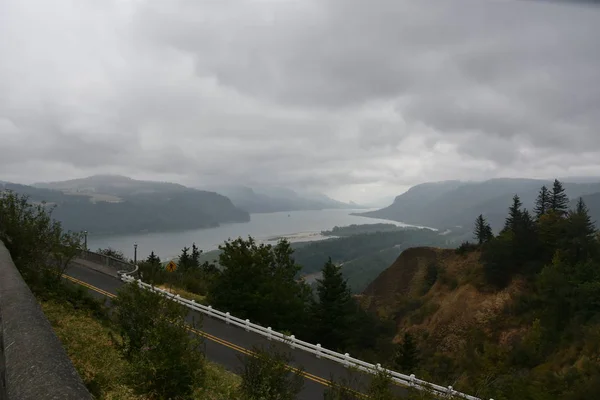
[(294, 225)]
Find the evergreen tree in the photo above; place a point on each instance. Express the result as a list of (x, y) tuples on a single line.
[(552, 230), (587, 226), (580, 233), (407, 355), (559, 202), (543, 202), (483, 230), (525, 244), (153, 259), (526, 223), (514, 215), (259, 282), (151, 269), (334, 311), (497, 259), (195, 259), (185, 260)]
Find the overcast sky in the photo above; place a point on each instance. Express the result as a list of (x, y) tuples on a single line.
[(358, 99)]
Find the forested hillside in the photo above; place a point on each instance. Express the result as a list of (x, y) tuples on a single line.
[(363, 256), (512, 316), (105, 206), (362, 251)]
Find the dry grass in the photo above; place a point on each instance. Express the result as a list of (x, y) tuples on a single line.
[(183, 293), (90, 346), (220, 384), (446, 312)]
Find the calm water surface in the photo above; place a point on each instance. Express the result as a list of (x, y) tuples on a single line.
[(298, 226)]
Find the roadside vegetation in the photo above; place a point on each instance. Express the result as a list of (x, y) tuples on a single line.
[(143, 348), (513, 315)]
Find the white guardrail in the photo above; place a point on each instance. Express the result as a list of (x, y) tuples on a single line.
[(344, 359)]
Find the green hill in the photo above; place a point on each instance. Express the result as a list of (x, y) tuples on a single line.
[(453, 203), (110, 205)]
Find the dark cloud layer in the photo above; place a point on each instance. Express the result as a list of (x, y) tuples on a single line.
[(360, 99)]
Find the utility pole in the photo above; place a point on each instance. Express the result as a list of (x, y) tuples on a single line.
[(85, 240), (135, 257)]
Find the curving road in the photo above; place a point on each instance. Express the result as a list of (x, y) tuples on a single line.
[(225, 344)]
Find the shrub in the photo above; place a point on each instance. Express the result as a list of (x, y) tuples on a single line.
[(466, 247), (266, 376), (167, 362), (36, 242)]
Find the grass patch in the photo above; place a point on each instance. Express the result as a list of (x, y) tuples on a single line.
[(198, 298), (90, 344), (90, 347)]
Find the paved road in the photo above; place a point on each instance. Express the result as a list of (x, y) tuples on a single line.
[(224, 344)]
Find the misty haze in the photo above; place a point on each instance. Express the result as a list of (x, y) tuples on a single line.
[(414, 183)]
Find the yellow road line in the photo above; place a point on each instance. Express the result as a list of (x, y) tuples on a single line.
[(225, 343), (251, 353), (87, 285)]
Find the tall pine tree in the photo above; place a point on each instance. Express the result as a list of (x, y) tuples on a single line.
[(483, 230), (588, 227), (153, 259), (514, 215), (407, 355), (152, 268), (195, 259), (559, 202), (335, 309), (185, 260), (580, 233), (543, 202)]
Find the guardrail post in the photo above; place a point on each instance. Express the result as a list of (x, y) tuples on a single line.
[(412, 380), (318, 350), (346, 361), (227, 315), (247, 325), (269, 333), (210, 311), (450, 390), (293, 341), (377, 367)]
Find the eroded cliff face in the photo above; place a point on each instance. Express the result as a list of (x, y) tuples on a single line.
[(439, 295)]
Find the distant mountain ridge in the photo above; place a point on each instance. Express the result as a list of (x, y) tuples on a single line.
[(115, 185), (111, 204), (267, 199), (456, 203)]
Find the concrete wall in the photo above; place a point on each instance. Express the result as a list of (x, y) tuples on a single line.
[(33, 363), (114, 263)]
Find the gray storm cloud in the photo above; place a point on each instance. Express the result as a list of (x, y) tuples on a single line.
[(355, 98)]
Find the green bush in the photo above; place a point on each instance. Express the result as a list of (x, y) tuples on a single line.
[(466, 247), (266, 376), (167, 362), (36, 242)]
